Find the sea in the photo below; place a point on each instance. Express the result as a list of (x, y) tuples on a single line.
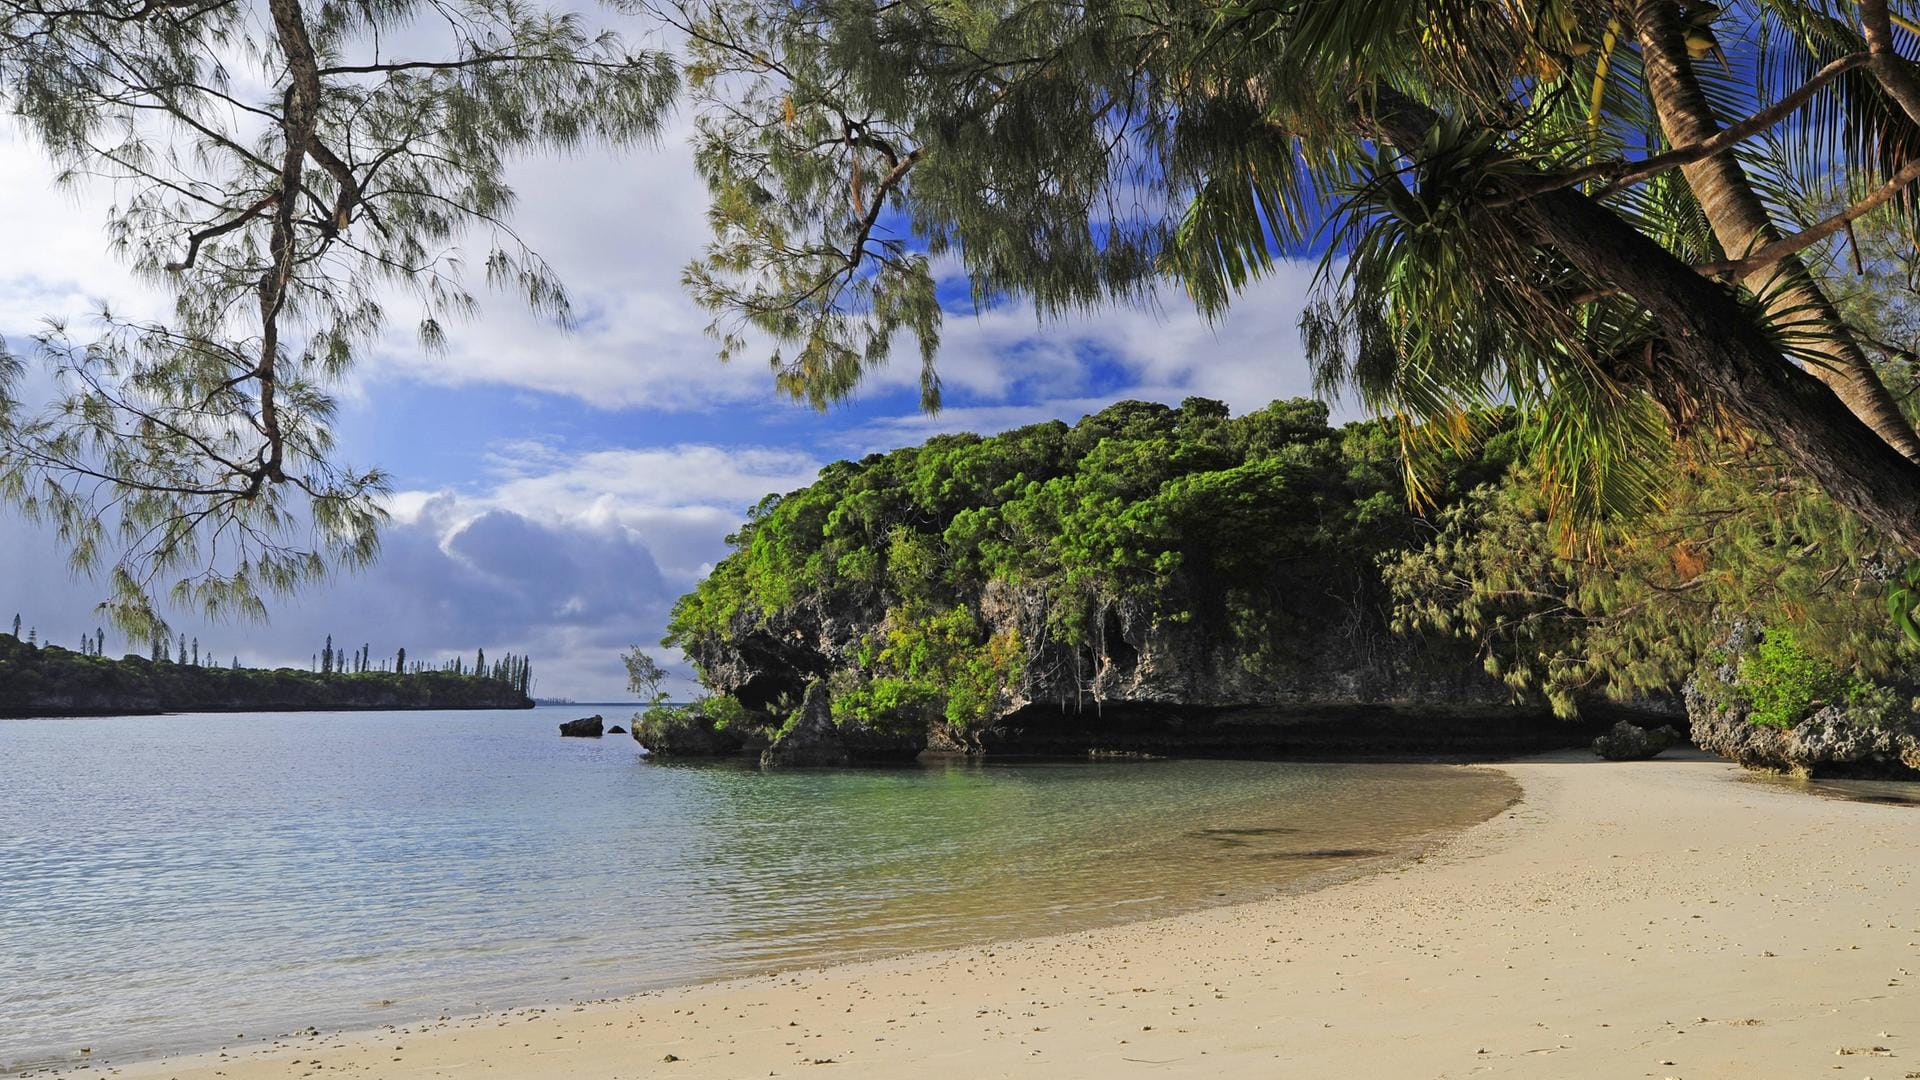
[(185, 882)]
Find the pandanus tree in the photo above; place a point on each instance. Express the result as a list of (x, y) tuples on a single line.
[(290, 172), (1621, 216)]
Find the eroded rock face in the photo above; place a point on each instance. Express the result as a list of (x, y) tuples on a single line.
[(1163, 674), (760, 662), (1631, 742), (812, 738), (1831, 742), (587, 727), (1824, 744)]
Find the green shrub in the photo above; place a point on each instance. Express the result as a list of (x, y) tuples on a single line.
[(1782, 683)]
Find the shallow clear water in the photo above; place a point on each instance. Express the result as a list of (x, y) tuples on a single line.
[(1888, 792), (169, 882)]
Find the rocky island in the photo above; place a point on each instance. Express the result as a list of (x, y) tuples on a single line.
[(1179, 581), (1151, 580)]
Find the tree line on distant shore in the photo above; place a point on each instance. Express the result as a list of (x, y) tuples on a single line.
[(513, 670)]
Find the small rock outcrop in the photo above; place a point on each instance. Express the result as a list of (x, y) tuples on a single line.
[(1825, 744), (1873, 736), (1631, 742), (684, 732), (587, 727), (811, 739), (616, 730)]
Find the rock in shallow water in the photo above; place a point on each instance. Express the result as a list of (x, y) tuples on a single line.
[(587, 727), (1631, 742), (812, 739), (616, 730)]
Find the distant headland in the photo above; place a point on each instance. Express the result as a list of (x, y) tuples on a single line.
[(49, 680)]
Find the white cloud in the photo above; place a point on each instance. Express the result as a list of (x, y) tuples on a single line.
[(618, 228), (56, 261)]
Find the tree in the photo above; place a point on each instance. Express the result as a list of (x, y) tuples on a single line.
[(400, 660), (283, 170), (181, 657), (480, 664), (1527, 203), (326, 657), (16, 627), (196, 652), (645, 677)]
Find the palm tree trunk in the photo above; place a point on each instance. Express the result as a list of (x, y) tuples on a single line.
[(1717, 351), (1741, 223)]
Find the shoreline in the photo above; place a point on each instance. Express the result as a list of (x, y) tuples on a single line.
[(1623, 919), (1328, 860)]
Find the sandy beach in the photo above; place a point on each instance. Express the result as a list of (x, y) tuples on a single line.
[(1656, 919)]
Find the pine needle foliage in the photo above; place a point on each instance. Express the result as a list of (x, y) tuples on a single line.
[(1637, 610), (867, 161), (295, 176)]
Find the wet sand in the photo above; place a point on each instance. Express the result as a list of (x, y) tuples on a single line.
[(1656, 919)]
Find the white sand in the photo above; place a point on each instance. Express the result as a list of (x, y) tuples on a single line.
[(1657, 919)]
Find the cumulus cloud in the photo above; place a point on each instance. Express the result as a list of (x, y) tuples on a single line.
[(56, 261), (618, 228)]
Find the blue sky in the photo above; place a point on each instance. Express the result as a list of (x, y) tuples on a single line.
[(555, 491)]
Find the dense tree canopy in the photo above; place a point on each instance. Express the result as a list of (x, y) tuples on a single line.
[(1634, 610), (1633, 220), (1280, 539), (1265, 528), (1612, 214)]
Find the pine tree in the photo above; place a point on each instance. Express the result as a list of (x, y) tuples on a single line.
[(16, 627), (480, 664), (278, 170), (196, 652), (326, 657), (400, 661)]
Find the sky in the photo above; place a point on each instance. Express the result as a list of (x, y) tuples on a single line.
[(555, 491)]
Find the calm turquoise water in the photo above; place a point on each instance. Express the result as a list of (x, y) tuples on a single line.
[(168, 882)]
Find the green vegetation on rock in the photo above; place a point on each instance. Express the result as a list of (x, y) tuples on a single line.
[(950, 570)]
